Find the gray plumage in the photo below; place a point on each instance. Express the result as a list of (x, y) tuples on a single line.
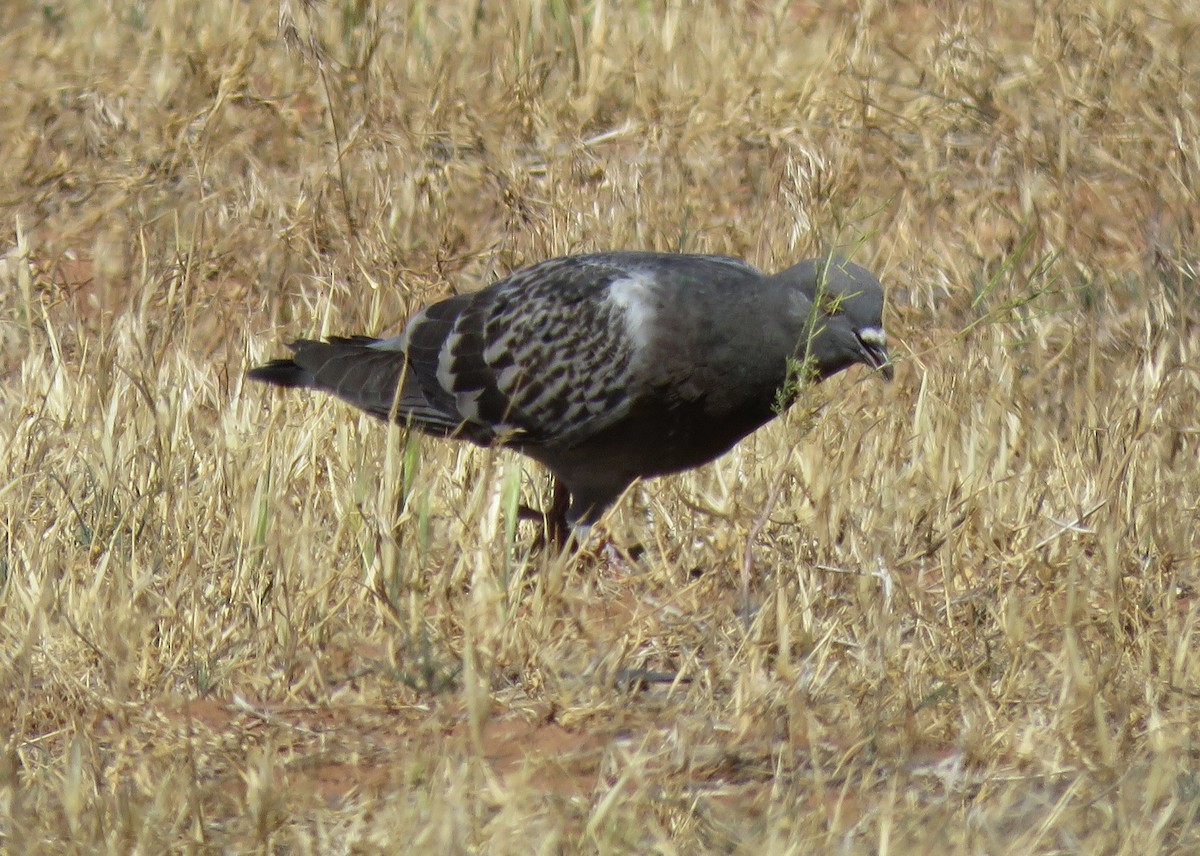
[(611, 367)]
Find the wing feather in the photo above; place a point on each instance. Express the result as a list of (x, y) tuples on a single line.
[(543, 357)]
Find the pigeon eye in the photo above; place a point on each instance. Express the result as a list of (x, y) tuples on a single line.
[(830, 304)]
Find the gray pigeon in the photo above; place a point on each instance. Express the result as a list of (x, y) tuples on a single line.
[(608, 368)]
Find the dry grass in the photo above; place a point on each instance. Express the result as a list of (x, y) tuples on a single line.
[(233, 620)]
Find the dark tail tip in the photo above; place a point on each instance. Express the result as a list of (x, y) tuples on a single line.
[(282, 373)]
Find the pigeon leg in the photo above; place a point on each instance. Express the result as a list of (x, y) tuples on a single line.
[(555, 528)]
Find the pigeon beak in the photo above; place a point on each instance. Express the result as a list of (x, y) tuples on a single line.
[(882, 361), (875, 353)]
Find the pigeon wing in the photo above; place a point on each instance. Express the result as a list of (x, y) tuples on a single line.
[(544, 357)]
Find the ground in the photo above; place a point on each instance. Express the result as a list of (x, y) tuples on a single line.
[(235, 619)]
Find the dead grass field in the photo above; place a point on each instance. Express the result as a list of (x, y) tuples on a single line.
[(237, 621)]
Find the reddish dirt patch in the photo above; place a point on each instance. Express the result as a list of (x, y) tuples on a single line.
[(335, 782), (337, 754), (564, 762)]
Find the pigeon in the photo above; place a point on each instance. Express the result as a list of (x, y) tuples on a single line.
[(610, 367)]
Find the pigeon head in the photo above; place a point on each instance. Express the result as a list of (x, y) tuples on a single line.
[(845, 303)]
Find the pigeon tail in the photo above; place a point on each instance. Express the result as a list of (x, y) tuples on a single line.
[(283, 373), (373, 379)]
